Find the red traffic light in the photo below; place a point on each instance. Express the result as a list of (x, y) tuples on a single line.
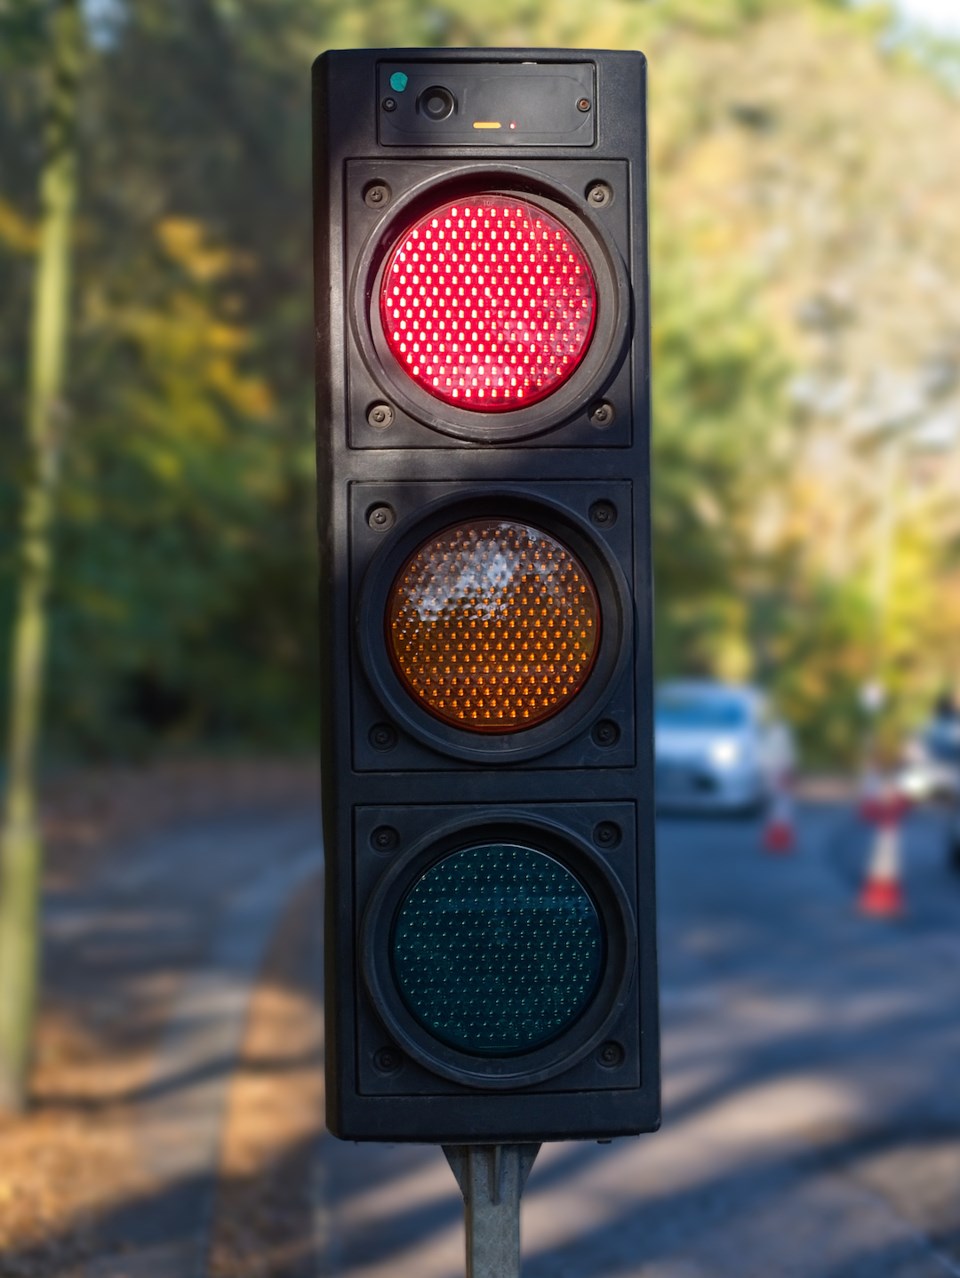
[(488, 303)]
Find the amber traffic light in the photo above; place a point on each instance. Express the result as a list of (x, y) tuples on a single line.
[(493, 625)]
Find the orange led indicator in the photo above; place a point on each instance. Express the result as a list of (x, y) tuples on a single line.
[(493, 625)]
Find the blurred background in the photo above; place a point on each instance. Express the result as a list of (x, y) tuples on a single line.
[(804, 160), (803, 177)]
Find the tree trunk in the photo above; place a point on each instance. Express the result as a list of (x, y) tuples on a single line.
[(20, 842)]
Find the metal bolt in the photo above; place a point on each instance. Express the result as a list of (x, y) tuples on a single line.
[(382, 737), (380, 518), (606, 733), (611, 1055), (387, 1060), (380, 416), (607, 834), (603, 514), (602, 414), (376, 195), (389, 104), (599, 194), (583, 104), (385, 838)]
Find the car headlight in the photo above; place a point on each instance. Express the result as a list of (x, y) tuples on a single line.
[(725, 753)]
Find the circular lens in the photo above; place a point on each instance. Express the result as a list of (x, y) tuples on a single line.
[(436, 103), (497, 949), (493, 625), (488, 303)]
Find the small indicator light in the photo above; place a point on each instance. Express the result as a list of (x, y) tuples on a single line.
[(513, 124), (487, 124), (398, 82)]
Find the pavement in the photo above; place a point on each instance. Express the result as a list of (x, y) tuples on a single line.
[(811, 1057)]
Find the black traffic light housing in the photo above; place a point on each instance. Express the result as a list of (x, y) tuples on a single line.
[(488, 819)]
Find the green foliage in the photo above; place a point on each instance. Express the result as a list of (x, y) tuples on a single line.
[(184, 606)]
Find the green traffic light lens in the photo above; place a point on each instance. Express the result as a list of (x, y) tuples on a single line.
[(497, 949)]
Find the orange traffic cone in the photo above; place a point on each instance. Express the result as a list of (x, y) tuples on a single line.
[(871, 802), (778, 830), (882, 893)]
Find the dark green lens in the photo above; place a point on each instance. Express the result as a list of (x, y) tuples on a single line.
[(497, 949)]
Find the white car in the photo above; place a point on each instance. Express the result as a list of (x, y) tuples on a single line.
[(718, 746), (931, 771)]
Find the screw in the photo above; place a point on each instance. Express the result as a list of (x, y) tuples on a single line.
[(376, 195), (380, 518), (389, 104), (603, 514), (583, 104), (380, 416), (599, 194), (611, 1055), (382, 737), (602, 414), (606, 834), (606, 733), (387, 1060), (385, 838)]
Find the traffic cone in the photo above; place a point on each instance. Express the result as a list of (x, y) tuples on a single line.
[(882, 893), (779, 835), (871, 802)]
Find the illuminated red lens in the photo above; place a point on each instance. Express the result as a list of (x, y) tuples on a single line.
[(488, 303)]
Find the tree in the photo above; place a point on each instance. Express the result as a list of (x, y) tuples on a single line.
[(20, 839)]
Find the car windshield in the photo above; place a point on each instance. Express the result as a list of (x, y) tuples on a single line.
[(692, 710)]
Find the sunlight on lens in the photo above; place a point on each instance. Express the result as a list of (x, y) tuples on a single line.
[(493, 625)]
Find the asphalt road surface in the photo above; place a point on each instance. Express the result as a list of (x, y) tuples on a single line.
[(811, 1089)]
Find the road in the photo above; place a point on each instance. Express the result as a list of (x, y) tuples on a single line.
[(811, 1089), (170, 939)]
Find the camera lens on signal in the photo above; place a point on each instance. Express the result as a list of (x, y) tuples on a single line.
[(436, 103)]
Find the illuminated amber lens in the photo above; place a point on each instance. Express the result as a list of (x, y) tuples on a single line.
[(488, 303), (493, 625)]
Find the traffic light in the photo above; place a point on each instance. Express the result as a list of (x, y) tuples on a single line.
[(483, 447)]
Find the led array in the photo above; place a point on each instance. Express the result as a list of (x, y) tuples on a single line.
[(493, 625), (488, 304), (497, 949)]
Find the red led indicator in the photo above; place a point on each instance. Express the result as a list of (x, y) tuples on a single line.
[(488, 303)]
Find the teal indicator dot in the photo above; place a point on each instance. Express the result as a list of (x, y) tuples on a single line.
[(398, 82)]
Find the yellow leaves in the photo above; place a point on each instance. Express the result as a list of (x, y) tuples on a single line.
[(15, 231), (165, 464), (249, 395), (185, 241), (227, 337), (190, 335), (196, 355)]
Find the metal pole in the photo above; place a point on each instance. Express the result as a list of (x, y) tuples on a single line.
[(491, 1179)]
